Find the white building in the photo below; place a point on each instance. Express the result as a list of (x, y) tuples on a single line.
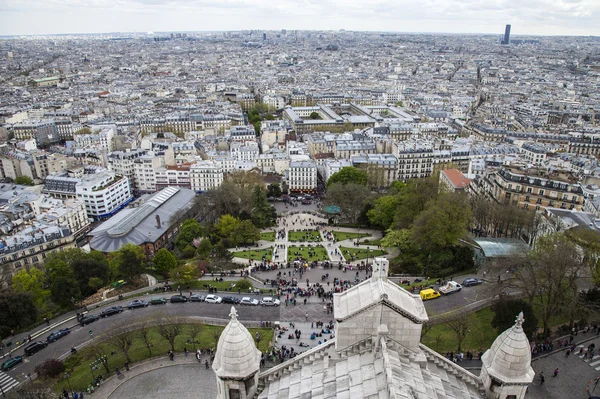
[(331, 166), (122, 162), (206, 175), (415, 159), (103, 140), (246, 151), (376, 353), (302, 176), (104, 193)]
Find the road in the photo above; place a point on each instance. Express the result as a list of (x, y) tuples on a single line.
[(80, 335)]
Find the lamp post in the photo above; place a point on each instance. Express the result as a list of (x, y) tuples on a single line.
[(67, 375)]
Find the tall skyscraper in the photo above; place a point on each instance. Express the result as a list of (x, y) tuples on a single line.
[(506, 39)]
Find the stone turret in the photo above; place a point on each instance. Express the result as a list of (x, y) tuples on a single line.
[(506, 369), (237, 361)]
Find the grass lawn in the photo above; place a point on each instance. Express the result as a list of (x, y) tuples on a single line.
[(319, 253), (254, 254), (342, 235), (481, 336), (197, 285), (78, 365), (425, 283), (370, 242), (359, 253), (304, 236), (267, 236)]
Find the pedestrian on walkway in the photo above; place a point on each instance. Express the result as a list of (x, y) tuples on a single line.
[(306, 317), (46, 320), (185, 352), (117, 371), (542, 378), (555, 372), (568, 353)]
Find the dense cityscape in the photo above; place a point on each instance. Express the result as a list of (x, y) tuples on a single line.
[(327, 185)]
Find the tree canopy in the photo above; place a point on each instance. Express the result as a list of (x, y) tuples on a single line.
[(129, 260), (24, 180), (347, 175), (506, 311), (349, 197), (164, 262)]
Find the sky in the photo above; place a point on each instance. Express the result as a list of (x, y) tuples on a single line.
[(528, 17)]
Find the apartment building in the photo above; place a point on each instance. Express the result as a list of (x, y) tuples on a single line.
[(206, 175), (122, 162), (330, 166), (143, 172), (103, 140), (241, 133), (44, 132), (453, 181), (104, 193), (534, 153), (535, 188), (173, 176), (302, 176), (415, 159), (382, 169)]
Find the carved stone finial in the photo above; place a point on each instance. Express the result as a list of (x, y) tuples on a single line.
[(233, 313), (519, 321)]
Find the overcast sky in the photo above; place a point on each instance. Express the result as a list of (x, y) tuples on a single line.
[(540, 17)]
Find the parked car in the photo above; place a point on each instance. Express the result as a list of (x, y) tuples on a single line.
[(468, 282), (137, 303), (212, 299), (158, 301), (230, 299), (87, 319), (12, 362), (35, 347), (178, 298), (111, 311), (429, 294), (450, 288), (56, 335), (249, 301), (269, 301), (197, 298)]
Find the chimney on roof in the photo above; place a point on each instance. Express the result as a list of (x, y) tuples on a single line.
[(158, 221)]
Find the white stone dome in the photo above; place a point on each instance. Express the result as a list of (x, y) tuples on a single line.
[(509, 358), (236, 356)]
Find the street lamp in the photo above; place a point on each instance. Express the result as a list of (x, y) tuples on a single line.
[(67, 375)]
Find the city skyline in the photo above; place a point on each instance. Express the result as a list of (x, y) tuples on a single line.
[(531, 17)]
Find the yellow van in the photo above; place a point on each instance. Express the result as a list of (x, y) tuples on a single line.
[(429, 294)]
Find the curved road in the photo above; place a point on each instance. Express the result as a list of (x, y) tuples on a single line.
[(80, 335)]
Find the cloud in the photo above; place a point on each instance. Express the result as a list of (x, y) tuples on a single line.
[(568, 17)]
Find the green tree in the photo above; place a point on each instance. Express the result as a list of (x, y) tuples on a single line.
[(164, 262), (506, 311), (85, 269), (222, 256), (348, 174), (62, 282), (24, 180), (245, 233), (314, 115), (397, 239), (549, 277), (349, 197), (274, 190), (190, 230), (204, 248), (17, 310), (262, 214), (131, 261), (412, 200), (185, 274), (383, 212), (226, 225), (31, 281), (442, 223)]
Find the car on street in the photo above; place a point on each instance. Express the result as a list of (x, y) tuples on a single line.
[(12, 362), (269, 301), (196, 298), (35, 347), (111, 311), (56, 335), (230, 299), (87, 319), (212, 299), (429, 294), (158, 301), (249, 301), (468, 282), (137, 303), (450, 288), (178, 298)]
